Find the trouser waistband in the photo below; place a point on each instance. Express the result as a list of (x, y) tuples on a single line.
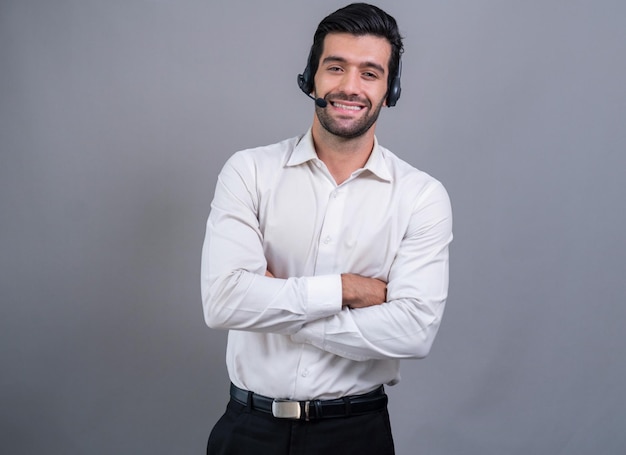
[(312, 409)]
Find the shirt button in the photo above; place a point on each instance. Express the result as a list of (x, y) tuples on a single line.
[(327, 240), (305, 373)]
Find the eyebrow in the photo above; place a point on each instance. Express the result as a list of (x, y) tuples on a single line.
[(366, 64)]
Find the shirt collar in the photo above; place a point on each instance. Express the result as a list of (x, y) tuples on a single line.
[(305, 151)]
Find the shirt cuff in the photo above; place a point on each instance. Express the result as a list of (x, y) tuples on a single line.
[(324, 296)]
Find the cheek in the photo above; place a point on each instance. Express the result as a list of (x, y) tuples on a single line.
[(378, 94), (381, 98), (320, 85)]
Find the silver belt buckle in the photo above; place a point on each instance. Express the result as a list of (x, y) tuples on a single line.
[(285, 409)]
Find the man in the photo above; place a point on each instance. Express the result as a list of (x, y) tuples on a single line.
[(326, 257)]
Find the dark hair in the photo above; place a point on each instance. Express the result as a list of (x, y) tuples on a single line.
[(357, 19)]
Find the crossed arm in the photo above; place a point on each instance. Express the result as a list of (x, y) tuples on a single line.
[(358, 291), (350, 315)]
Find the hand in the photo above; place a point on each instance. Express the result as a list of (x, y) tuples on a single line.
[(360, 292), (268, 273)]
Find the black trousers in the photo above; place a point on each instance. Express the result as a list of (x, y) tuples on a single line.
[(244, 431)]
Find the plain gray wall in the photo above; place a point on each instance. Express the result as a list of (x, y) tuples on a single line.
[(115, 118)]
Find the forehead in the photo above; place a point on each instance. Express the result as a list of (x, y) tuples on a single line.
[(357, 48)]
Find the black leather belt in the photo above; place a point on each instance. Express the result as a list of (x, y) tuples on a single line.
[(313, 409)]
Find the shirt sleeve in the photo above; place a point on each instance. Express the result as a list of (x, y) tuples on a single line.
[(404, 326), (236, 294)]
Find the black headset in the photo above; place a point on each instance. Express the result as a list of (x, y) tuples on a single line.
[(305, 82)]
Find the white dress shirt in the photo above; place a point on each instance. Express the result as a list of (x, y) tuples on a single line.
[(278, 208)]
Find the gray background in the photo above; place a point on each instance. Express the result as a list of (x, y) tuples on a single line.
[(115, 118)]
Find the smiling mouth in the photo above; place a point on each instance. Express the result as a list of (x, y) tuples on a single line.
[(347, 107)]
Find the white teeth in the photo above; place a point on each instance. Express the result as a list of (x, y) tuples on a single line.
[(351, 108)]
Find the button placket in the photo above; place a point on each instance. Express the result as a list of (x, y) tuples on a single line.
[(330, 234)]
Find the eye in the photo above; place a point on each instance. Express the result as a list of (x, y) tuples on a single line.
[(370, 75), (334, 69)]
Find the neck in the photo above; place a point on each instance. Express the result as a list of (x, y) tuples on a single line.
[(342, 156)]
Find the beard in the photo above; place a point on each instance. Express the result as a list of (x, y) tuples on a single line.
[(352, 130)]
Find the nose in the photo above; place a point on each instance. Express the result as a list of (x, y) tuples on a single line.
[(350, 82)]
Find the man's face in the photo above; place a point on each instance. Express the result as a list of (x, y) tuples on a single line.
[(352, 78)]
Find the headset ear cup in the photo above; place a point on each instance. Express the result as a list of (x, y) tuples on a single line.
[(394, 92), (305, 80), (307, 83), (395, 89), (302, 82)]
